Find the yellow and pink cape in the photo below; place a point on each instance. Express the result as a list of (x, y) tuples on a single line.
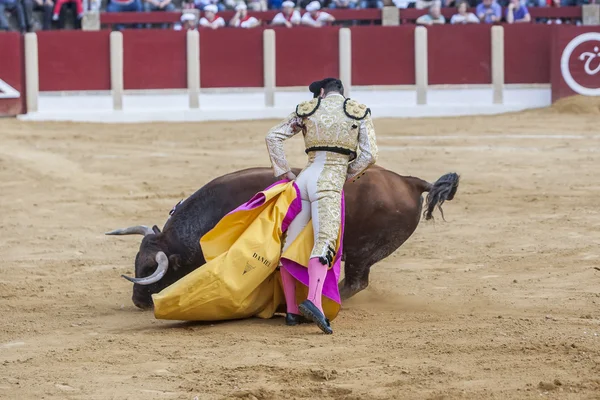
[(243, 251)]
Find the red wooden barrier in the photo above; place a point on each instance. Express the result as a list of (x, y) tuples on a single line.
[(383, 55), (575, 61), (154, 59), (459, 54), (74, 60), (231, 58), (527, 53), (12, 85), (306, 54)]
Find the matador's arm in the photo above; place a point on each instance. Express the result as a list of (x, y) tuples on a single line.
[(285, 130), (367, 145)]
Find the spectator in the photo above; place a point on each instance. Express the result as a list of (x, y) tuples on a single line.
[(13, 6), (187, 5), (58, 5), (258, 5), (371, 4), (342, 4), (288, 16), (314, 17), (158, 5), (188, 21), (92, 5), (463, 16), (211, 19), (423, 4), (517, 13), (434, 17), (404, 3), (489, 11), (200, 4), (45, 6), (124, 6), (241, 19)]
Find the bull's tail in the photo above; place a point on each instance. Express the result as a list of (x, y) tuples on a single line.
[(442, 190)]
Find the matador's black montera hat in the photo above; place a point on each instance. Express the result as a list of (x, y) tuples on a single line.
[(316, 86)]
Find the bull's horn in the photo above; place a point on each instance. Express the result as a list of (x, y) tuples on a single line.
[(161, 270), (132, 230)]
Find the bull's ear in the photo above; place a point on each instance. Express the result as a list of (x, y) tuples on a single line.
[(174, 261), (156, 229)]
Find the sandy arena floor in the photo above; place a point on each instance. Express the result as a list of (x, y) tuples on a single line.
[(500, 302)]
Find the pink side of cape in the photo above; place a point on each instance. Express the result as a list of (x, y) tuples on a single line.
[(299, 272)]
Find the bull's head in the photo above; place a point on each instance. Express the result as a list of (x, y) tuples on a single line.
[(151, 264)]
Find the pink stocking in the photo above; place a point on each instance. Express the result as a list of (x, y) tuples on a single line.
[(289, 290), (316, 279)]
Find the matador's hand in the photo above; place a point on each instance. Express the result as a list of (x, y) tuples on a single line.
[(288, 175)]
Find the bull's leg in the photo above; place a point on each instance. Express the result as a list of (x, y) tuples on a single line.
[(355, 280)]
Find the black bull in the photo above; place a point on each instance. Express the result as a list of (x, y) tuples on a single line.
[(383, 209)]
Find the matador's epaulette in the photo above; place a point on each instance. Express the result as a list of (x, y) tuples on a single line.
[(308, 108), (355, 110)]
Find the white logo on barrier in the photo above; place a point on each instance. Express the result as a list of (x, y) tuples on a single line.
[(588, 62), (7, 91), (566, 56)]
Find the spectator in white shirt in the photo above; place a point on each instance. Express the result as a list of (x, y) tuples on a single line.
[(404, 3), (188, 20), (258, 5), (343, 4), (241, 19), (464, 17), (211, 19), (288, 16), (315, 17), (434, 17), (200, 4)]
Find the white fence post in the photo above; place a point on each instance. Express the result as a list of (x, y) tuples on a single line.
[(590, 14), (193, 67), (116, 69), (269, 66), (390, 15), (421, 70), (345, 45), (498, 64), (32, 76)]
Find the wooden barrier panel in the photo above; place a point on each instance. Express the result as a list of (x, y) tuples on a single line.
[(575, 61), (12, 86), (383, 55), (306, 54), (527, 53), (231, 58), (73, 60), (459, 54), (154, 59)]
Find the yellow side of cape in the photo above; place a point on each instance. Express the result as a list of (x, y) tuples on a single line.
[(240, 279)]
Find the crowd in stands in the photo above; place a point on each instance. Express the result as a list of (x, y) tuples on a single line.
[(52, 13), (489, 12)]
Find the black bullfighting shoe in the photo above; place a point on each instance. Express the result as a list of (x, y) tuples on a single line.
[(295, 319), (312, 313)]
